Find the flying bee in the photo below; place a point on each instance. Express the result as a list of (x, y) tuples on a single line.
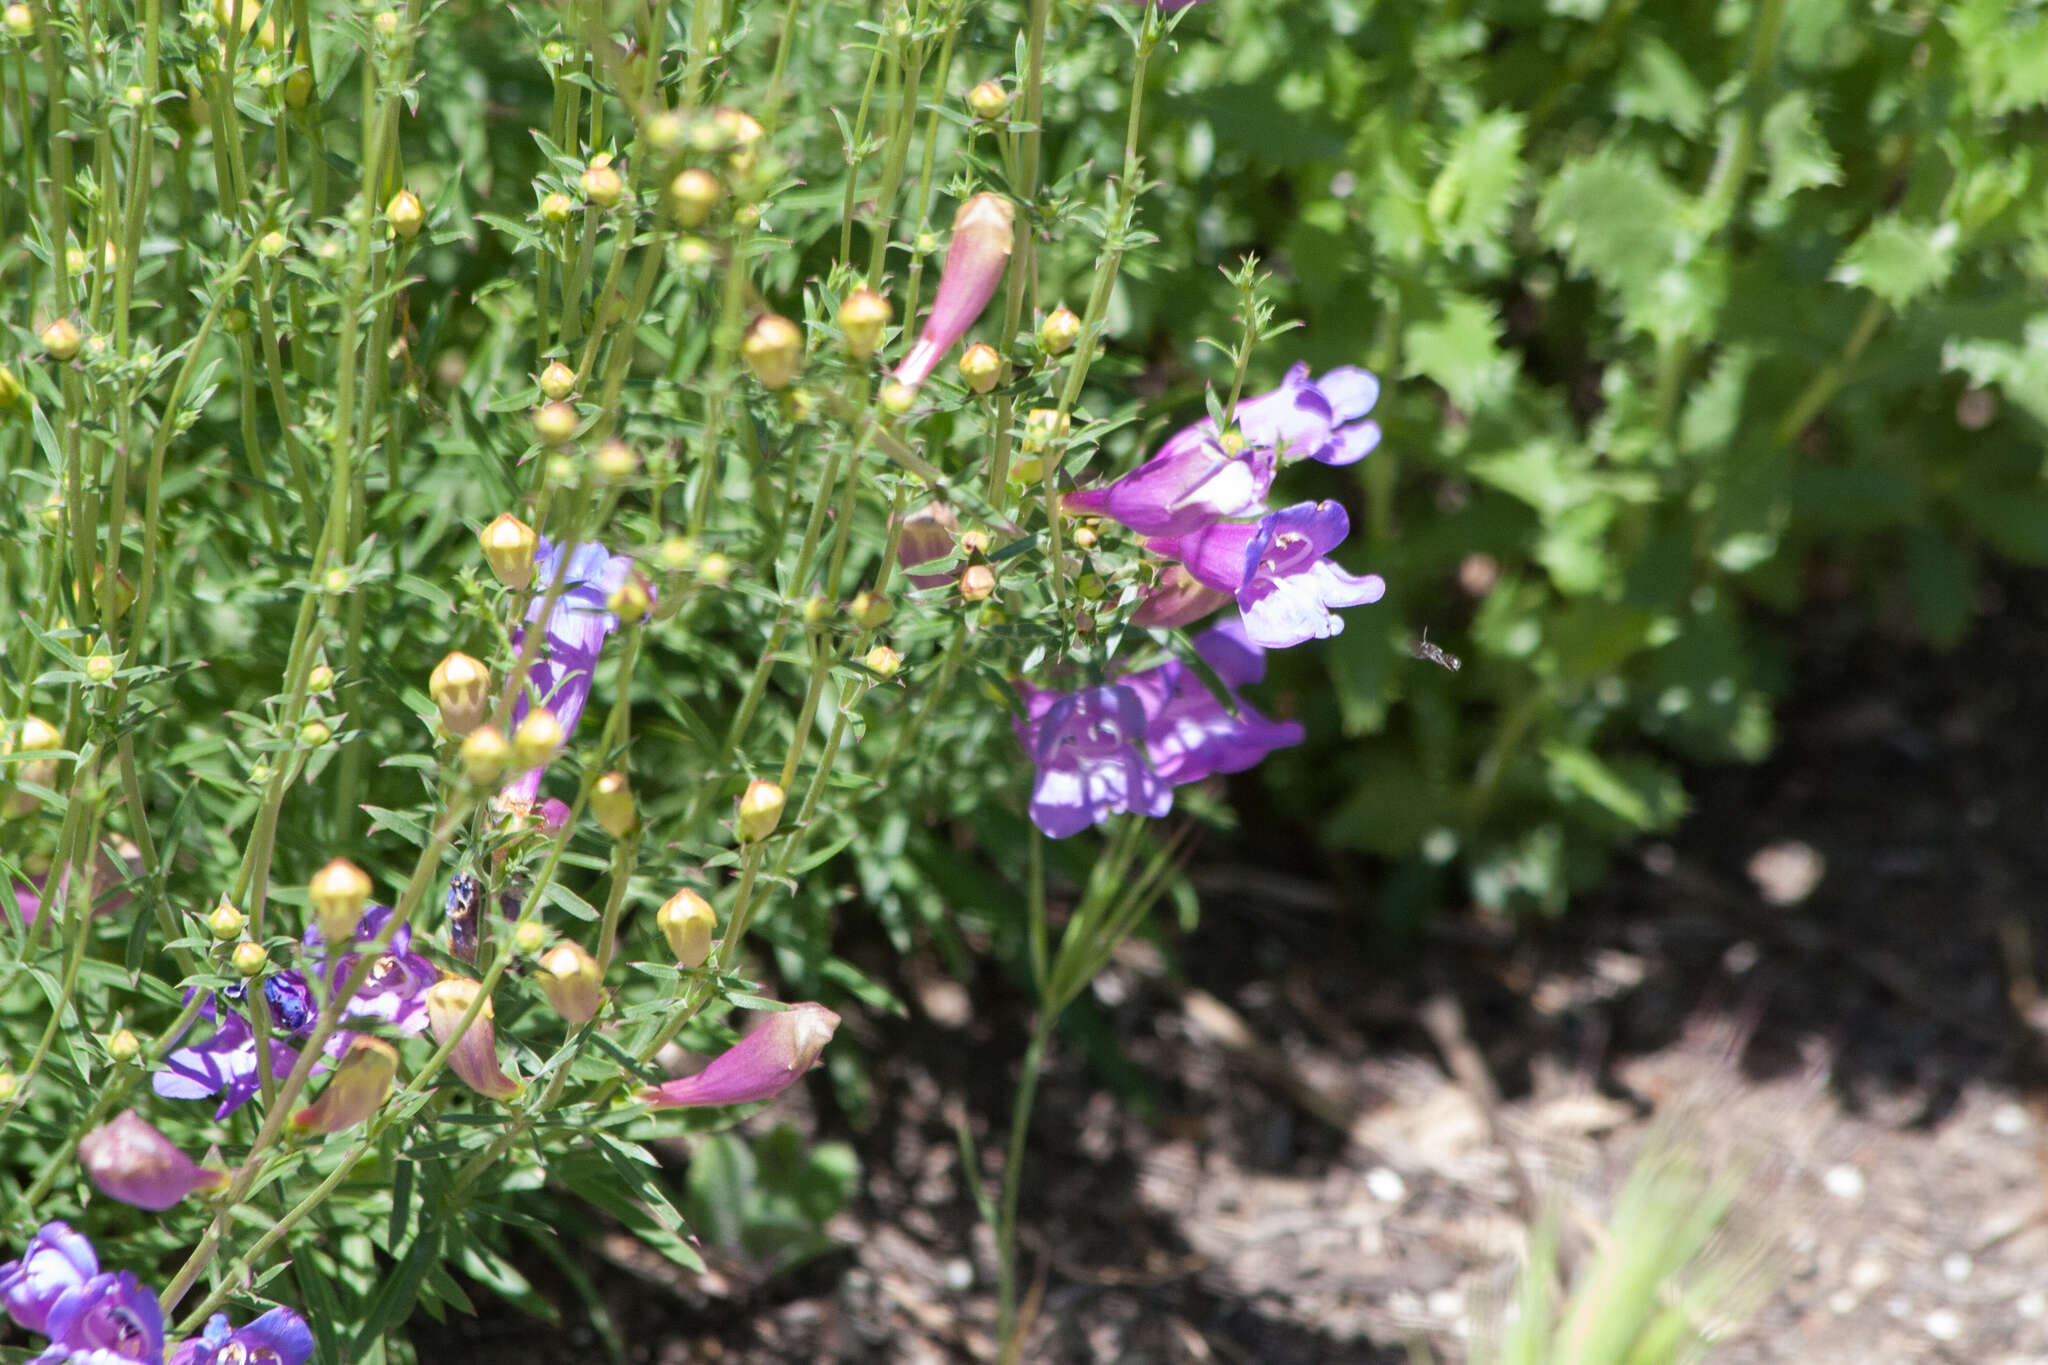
[(465, 894), (1424, 650)]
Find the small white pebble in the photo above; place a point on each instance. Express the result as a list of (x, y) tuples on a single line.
[(1843, 1182), (1867, 1274), (1943, 1325), (1956, 1267), (1385, 1184), (2031, 1304), (1445, 1304), (959, 1273), (1842, 1303), (2009, 1120)]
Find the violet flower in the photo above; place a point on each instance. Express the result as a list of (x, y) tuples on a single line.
[(130, 1161), (55, 1260), (1191, 483), (108, 1320), (1277, 570), (225, 1063), (1314, 419), (1176, 600), (1090, 767), (983, 231), (279, 1337), (394, 992), (1189, 734), (576, 631), (759, 1066)]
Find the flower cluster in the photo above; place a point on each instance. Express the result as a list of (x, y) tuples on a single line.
[(94, 1317), (1200, 503)]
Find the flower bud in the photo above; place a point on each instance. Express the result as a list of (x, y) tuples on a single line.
[(557, 208), (557, 381), (249, 959), (529, 936), (760, 811), (988, 101), (975, 260), (664, 132), (759, 1066), (130, 1161), (601, 184), (271, 245), (9, 1082), (863, 316), (554, 423), (774, 350), (538, 739), (929, 533), (897, 398), (980, 367), (739, 133), (461, 688), (687, 920), (124, 1046), (1058, 333), (572, 982), (978, 583), (475, 1055), (336, 581), (406, 214), (714, 569), (973, 543), (611, 801), (356, 1089), (883, 662), (870, 610), (10, 389), (484, 755), (225, 923), (298, 87), (315, 733), (61, 340), (320, 679), (19, 21), (37, 736), (1041, 425), (692, 195), (616, 461), (338, 893), (816, 610), (510, 545), (632, 599)]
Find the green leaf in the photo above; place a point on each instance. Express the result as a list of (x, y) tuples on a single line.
[(1474, 195), (1796, 154), (1898, 261), (1459, 349)]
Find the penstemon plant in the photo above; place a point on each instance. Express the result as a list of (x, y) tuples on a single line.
[(501, 503)]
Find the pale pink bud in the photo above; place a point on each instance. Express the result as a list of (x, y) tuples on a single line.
[(1177, 600), (475, 1055), (355, 1090), (759, 1066), (130, 1161), (980, 250)]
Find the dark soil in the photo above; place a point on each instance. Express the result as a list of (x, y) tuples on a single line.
[(1316, 1149)]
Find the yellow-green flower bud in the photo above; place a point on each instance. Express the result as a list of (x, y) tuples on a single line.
[(406, 214), (572, 982), (883, 661), (760, 811), (988, 101), (529, 936), (980, 367), (695, 252), (336, 581), (249, 959), (601, 184), (557, 381), (616, 461), (632, 599), (863, 316), (315, 733), (664, 132), (714, 569), (978, 583), (538, 739), (225, 923), (99, 666), (484, 755), (271, 245), (19, 23), (10, 388), (973, 543), (774, 350), (461, 688), (9, 1082), (557, 208), (124, 1046), (611, 801), (61, 340), (692, 195), (870, 610), (385, 22), (687, 920), (338, 893), (554, 423), (1058, 333), (1041, 425), (678, 554), (510, 545), (37, 736), (1085, 538), (320, 679)]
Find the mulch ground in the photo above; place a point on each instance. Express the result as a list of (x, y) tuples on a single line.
[(1320, 1148)]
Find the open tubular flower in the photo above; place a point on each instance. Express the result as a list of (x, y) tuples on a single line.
[(108, 1320), (929, 534), (1090, 765), (1277, 569), (759, 1066), (1177, 599), (356, 1089), (1189, 734), (576, 630), (983, 232), (687, 920), (279, 1337), (475, 1055), (130, 1161), (55, 1261)]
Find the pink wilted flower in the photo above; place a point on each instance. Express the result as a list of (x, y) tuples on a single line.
[(358, 1086), (983, 231), (130, 1161), (474, 1057), (759, 1066)]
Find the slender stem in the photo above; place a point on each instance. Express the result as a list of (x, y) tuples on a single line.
[(1013, 1184)]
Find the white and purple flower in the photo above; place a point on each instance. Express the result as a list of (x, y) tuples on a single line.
[(279, 1337), (1090, 763), (55, 1261), (576, 629), (1277, 569)]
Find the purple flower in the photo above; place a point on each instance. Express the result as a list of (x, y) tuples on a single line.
[(56, 1259), (759, 1066), (1193, 481), (225, 1063), (1189, 734), (1277, 570), (394, 993), (279, 1337), (1176, 600), (130, 1161), (1314, 419), (576, 631), (110, 1319), (1085, 744)]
